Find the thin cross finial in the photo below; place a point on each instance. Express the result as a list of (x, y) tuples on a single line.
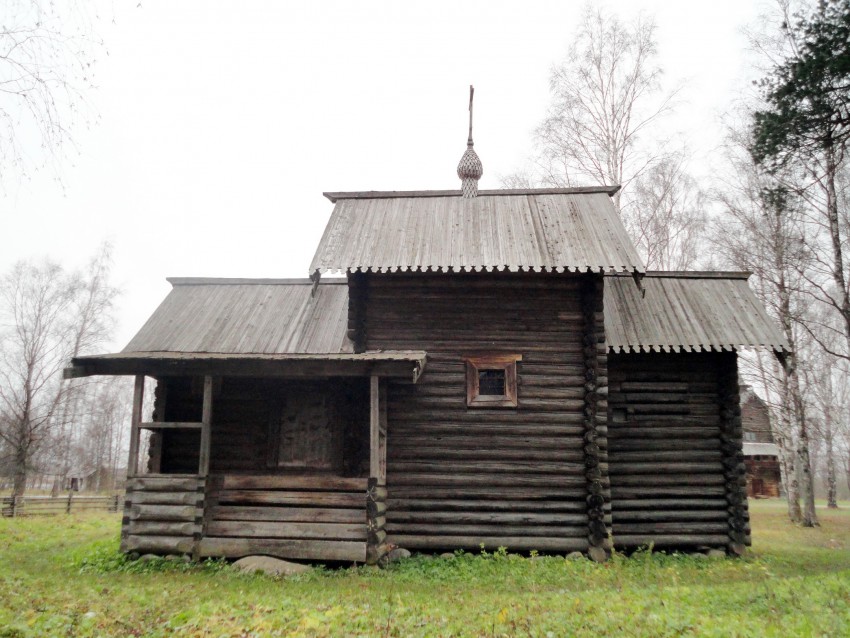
[(471, 93)]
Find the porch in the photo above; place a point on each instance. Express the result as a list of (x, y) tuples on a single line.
[(290, 464)]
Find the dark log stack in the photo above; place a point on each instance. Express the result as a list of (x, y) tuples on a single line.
[(595, 421), (376, 521), (735, 471), (462, 477), (162, 515), (674, 439), (305, 517)]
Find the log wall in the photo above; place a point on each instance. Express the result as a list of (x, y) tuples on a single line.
[(162, 515), (302, 517), (460, 477), (675, 443)]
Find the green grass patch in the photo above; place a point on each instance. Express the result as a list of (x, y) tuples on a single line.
[(64, 576)]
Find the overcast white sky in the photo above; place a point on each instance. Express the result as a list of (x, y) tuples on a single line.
[(221, 123)]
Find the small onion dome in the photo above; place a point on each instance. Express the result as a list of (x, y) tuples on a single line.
[(470, 170)]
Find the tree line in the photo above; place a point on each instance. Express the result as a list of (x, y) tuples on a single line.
[(779, 209), (53, 430)]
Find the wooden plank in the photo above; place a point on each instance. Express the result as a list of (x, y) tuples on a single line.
[(135, 419), (671, 503), (165, 498), (312, 483), (664, 467), (206, 427), (319, 550), (158, 544), (490, 543), (697, 527), (162, 528), (262, 529), (667, 516), (440, 479), (165, 483), (290, 514), (170, 425), (666, 491), (485, 492), (655, 481), (316, 499), (374, 426), (492, 468), (453, 518), (563, 531), (465, 505), (163, 512)]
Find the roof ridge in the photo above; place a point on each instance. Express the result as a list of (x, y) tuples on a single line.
[(239, 281), (689, 274), (577, 190)]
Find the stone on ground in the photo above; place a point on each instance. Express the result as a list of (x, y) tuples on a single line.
[(270, 566), (393, 556)]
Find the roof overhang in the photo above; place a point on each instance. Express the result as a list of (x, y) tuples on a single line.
[(401, 364), (578, 190)]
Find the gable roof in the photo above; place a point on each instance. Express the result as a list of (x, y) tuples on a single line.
[(690, 311), (516, 230)]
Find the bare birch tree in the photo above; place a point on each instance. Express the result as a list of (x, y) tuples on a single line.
[(667, 218), (33, 351), (603, 127), (48, 316), (605, 95), (761, 230), (47, 62)]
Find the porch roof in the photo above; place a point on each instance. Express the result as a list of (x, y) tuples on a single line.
[(250, 327), (398, 363)]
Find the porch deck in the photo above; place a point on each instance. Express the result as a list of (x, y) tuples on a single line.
[(320, 518)]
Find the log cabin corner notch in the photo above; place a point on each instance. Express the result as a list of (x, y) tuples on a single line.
[(298, 418)]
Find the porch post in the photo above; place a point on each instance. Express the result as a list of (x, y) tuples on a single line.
[(138, 398), (374, 426), (206, 422), (376, 493)]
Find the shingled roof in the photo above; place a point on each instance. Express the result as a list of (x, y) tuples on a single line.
[(516, 230), (687, 311)]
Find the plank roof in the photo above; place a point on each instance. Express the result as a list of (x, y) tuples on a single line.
[(687, 311), (559, 230), (248, 316)]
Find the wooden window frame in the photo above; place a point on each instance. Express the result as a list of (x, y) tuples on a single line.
[(476, 363)]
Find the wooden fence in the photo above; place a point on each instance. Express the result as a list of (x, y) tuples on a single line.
[(49, 506)]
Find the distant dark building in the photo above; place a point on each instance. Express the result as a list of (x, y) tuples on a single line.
[(761, 454)]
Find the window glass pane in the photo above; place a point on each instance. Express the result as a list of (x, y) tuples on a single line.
[(491, 382)]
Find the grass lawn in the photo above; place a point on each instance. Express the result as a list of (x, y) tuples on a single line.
[(63, 576)]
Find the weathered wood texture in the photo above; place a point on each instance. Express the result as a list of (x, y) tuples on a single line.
[(162, 514), (376, 521), (460, 477), (674, 439), (303, 517), (731, 435), (265, 426), (595, 420)]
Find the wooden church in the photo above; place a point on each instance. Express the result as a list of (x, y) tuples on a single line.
[(495, 368)]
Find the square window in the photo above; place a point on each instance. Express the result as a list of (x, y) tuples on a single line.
[(491, 380)]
